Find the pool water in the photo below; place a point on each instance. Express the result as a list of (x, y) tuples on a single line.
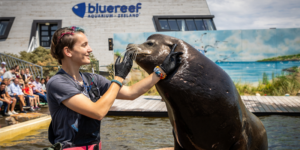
[(138, 133)]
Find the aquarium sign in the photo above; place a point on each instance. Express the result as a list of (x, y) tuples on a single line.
[(107, 11)]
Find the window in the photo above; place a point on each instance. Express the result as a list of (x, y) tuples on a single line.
[(46, 33), (5, 26), (44, 29), (184, 23)]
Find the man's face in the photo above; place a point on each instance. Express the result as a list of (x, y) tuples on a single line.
[(16, 81), (2, 65), (2, 87), (27, 71), (37, 79)]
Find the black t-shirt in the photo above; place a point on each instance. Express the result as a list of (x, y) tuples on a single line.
[(2, 93), (58, 90)]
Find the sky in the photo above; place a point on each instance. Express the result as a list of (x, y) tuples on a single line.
[(228, 45), (255, 14)]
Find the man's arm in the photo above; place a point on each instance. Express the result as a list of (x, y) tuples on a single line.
[(7, 95)]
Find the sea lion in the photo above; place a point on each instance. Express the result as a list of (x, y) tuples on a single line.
[(204, 106)]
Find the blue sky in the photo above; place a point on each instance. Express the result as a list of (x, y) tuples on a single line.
[(255, 14), (229, 45)]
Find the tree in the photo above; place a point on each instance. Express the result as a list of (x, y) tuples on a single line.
[(42, 57)]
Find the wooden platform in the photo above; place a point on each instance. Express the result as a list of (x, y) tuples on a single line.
[(259, 105)]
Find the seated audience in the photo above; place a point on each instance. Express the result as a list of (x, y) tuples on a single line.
[(28, 91), (23, 75), (2, 68), (18, 94), (9, 103), (27, 74), (43, 85), (37, 89), (10, 74)]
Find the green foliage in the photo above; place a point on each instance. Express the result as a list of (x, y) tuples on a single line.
[(42, 57), (283, 58), (278, 87), (265, 78), (117, 53)]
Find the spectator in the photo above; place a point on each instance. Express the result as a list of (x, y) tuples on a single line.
[(43, 85), (21, 81), (38, 90), (47, 79), (2, 68), (17, 71), (28, 93), (18, 94), (28, 90), (36, 96), (27, 74), (9, 74), (5, 97), (22, 74)]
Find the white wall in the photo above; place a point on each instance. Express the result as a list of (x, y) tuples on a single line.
[(98, 30)]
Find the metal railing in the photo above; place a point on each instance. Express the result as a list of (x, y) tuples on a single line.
[(35, 70), (32, 46)]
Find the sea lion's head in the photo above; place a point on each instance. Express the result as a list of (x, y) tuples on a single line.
[(154, 51)]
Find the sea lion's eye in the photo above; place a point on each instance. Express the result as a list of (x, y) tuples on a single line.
[(150, 43)]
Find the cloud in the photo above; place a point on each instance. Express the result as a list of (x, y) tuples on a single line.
[(255, 14)]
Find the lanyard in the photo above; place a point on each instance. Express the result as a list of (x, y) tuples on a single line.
[(84, 84)]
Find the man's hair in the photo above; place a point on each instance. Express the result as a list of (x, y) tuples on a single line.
[(2, 83), (12, 68)]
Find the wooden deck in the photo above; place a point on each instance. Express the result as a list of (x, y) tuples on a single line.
[(259, 105)]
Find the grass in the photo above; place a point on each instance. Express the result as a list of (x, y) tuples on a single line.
[(278, 86)]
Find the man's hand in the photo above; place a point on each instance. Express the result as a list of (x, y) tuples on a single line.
[(15, 94)]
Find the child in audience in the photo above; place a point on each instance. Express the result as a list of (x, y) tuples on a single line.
[(36, 96), (28, 92)]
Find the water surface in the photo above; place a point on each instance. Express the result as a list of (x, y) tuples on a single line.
[(141, 133)]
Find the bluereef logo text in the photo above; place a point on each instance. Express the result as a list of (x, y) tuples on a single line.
[(103, 11)]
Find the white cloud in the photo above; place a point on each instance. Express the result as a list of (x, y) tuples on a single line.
[(255, 14)]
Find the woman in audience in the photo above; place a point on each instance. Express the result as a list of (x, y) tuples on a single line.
[(36, 96), (47, 79), (17, 71), (22, 74), (43, 85)]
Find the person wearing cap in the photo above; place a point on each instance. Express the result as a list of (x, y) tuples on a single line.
[(38, 90), (2, 68)]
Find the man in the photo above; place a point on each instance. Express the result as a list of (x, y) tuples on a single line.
[(4, 96), (18, 94), (9, 74), (38, 90), (27, 74), (2, 68)]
